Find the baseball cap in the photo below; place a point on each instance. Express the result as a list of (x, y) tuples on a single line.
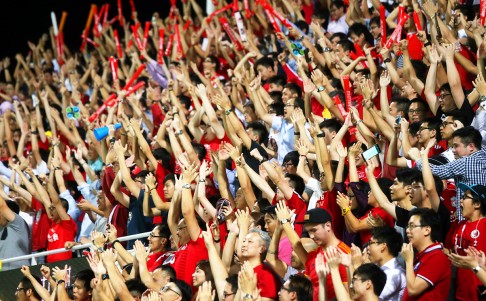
[(316, 216), (477, 190)]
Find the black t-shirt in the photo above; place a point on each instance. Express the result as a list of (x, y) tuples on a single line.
[(466, 110), (137, 222), (249, 159), (403, 215)]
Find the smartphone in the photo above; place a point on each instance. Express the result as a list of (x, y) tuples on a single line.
[(371, 152), (399, 119), (35, 100), (219, 209)]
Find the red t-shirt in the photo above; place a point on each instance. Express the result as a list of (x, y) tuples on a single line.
[(433, 266), (328, 202), (58, 234), (185, 259), (295, 203), (267, 282), (119, 218), (310, 270), (40, 225), (154, 260), (160, 174), (377, 211), (468, 234)]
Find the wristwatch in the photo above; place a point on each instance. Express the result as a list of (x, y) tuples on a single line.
[(326, 49), (186, 186), (345, 211), (482, 98), (476, 269), (283, 221), (321, 88), (247, 297)]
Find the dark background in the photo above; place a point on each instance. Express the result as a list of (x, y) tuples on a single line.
[(24, 20)]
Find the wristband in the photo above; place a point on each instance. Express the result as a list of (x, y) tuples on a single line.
[(263, 160), (321, 135), (114, 242), (360, 120), (112, 140), (297, 133), (60, 281), (202, 181), (105, 276), (426, 44), (227, 112), (34, 132), (387, 60), (217, 240)]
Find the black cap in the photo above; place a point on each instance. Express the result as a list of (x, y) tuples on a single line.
[(478, 191), (316, 216)]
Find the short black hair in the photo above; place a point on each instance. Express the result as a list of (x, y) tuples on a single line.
[(200, 150), (402, 104), (372, 272), (135, 285), (186, 290), (215, 61), (469, 135), (164, 232), (434, 123), (294, 88), (299, 103), (302, 286), (347, 45), (163, 155), (278, 107), (297, 182), (385, 184), (259, 129), (277, 80), (265, 62), (170, 271), (428, 218), (375, 20), (86, 276), (333, 125), (407, 175), (456, 115), (233, 282), (27, 285), (358, 29), (390, 237), (293, 157)]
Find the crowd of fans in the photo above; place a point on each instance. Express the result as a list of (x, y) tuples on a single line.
[(334, 153)]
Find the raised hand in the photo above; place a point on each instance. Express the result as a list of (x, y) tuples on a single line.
[(322, 268), (384, 79)]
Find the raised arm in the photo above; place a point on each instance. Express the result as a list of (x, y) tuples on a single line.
[(377, 193), (189, 173)]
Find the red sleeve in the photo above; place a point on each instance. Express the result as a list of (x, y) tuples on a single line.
[(434, 269), (107, 181), (158, 117), (387, 218), (292, 77), (160, 174)]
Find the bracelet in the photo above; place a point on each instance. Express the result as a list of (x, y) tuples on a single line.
[(227, 112), (387, 60), (114, 242), (426, 44), (271, 252), (202, 181), (60, 281), (34, 132), (57, 168), (360, 120), (297, 133), (217, 240), (321, 135), (263, 160), (303, 156), (186, 186)]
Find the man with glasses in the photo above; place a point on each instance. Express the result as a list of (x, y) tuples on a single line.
[(417, 111), (383, 249), (297, 288), (429, 273), (176, 290), (25, 290)]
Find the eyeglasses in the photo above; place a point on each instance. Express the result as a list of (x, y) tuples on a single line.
[(226, 295), (181, 228), (412, 111), (353, 280), (446, 123), (373, 27), (153, 235), (168, 288), (465, 197), (424, 128), (442, 96), (288, 289), (288, 164), (413, 226), (18, 289), (289, 105), (374, 242)]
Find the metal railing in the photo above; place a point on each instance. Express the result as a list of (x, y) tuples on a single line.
[(78, 247)]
